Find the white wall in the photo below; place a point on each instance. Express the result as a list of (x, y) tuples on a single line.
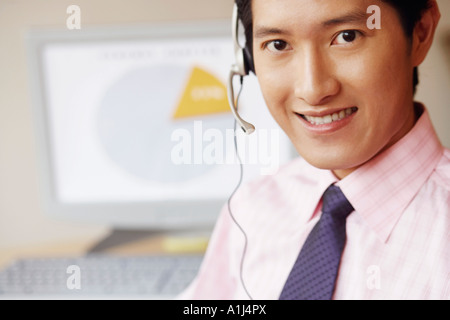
[(22, 222), (434, 89)]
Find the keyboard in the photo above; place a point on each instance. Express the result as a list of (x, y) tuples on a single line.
[(99, 276)]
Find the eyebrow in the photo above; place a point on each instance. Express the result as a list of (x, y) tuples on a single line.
[(356, 16), (262, 32)]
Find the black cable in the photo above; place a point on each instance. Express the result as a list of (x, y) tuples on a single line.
[(232, 194)]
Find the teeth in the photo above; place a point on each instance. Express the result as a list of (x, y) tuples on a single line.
[(331, 117), (327, 119), (335, 117)]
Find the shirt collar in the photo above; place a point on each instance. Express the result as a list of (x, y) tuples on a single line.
[(382, 188)]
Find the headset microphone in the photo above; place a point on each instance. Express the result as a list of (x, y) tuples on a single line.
[(242, 67)]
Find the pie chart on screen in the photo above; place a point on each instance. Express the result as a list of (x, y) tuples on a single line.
[(139, 113)]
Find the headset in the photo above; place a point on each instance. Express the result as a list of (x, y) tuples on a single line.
[(242, 67)]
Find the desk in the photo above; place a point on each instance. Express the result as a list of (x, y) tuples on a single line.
[(75, 248), (159, 243)]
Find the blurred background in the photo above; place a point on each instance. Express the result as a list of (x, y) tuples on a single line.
[(25, 229), (24, 226)]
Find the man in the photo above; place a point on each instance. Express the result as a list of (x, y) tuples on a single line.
[(343, 92)]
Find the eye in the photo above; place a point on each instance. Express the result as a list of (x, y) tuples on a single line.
[(346, 37), (277, 46)]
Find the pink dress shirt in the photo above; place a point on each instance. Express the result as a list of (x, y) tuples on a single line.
[(398, 237)]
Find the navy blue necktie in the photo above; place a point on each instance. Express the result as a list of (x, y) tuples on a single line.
[(314, 273)]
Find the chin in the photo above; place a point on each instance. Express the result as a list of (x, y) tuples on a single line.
[(330, 161)]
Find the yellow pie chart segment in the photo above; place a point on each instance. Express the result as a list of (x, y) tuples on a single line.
[(203, 95)]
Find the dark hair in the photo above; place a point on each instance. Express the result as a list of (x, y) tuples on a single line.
[(409, 11)]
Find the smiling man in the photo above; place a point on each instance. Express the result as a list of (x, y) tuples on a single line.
[(342, 96), (364, 213)]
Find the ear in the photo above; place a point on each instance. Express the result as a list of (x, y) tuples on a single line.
[(424, 31)]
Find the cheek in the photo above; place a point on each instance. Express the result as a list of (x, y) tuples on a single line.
[(378, 81), (276, 91)]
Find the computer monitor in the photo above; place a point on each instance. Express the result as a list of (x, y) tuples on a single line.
[(134, 128)]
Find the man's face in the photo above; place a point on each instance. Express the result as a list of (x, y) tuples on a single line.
[(341, 92)]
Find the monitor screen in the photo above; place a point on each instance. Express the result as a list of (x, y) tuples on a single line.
[(134, 128)]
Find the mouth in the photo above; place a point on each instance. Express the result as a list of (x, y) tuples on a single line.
[(329, 118)]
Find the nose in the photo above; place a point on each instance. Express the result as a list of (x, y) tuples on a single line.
[(315, 82)]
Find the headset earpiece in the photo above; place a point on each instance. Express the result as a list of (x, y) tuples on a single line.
[(242, 67)]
